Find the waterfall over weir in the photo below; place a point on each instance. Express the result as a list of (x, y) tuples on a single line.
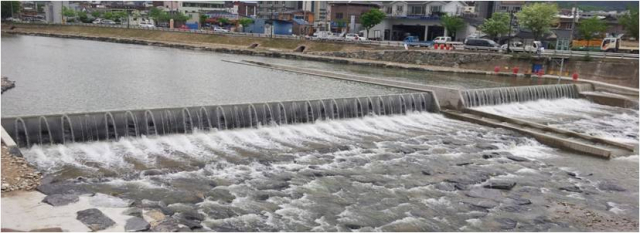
[(503, 95), (97, 126)]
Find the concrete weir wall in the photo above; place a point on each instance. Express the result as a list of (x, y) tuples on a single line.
[(622, 72), (98, 126)]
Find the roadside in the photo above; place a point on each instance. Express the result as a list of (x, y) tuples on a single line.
[(17, 174), (196, 39)]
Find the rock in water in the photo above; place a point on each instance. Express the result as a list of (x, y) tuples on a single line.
[(134, 211), (506, 223), (103, 200), (505, 185), (61, 199), (517, 158), (485, 193), (94, 219), (136, 224)]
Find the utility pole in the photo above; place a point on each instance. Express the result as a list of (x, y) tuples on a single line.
[(573, 23), (509, 35), (272, 21)]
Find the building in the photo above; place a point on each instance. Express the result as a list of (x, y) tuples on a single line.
[(194, 9), (420, 19), (302, 21), (345, 16), (53, 11), (246, 9), (320, 10), (484, 9), (269, 9)]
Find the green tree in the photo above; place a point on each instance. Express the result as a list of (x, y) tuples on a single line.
[(223, 21), (591, 28), (203, 19), (371, 19), (341, 23), (245, 22), (452, 24), (96, 14), (630, 22), (120, 16), (82, 16), (66, 12), (498, 24), (538, 17), (9, 8), (108, 15)]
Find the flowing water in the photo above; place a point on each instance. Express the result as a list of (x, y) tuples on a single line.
[(413, 172), (416, 172)]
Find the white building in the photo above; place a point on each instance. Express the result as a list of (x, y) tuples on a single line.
[(421, 19), (194, 8)]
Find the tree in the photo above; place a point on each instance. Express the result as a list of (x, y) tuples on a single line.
[(66, 12), (371, 19), (10, 8), (245, 22), (590, 28), (203, 19), (223, 21), (83, 17), (498, 24), (120, 16), (108, 15), (630, 22), (96, 14), (538, 18), (452, 24)]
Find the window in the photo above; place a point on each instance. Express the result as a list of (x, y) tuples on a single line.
[(516, 8), (416, 10), (504, 8), (339, 15), (389, 10), (399, 9), (436, 9)]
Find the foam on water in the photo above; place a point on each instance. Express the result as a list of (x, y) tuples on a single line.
[(580, 115)]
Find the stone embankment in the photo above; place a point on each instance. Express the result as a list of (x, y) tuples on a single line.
[(418, 57), (17, 174), (7, 84)]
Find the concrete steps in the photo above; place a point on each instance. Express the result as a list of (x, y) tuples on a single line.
[(550, 136)]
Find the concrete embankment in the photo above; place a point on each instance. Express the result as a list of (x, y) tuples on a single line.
[(612, 70), (463, 59)]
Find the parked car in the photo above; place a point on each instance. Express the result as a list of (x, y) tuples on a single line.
[(218, 29), (518, 46), (354, 37), (97, 21), (442, 39), (481, 44), (146, 25), (110, 22)]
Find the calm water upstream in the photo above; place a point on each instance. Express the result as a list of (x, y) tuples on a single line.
[(414, 172)]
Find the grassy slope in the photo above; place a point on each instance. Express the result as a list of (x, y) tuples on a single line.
[(281, 44)]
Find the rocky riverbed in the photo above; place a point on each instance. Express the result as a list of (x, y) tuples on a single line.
[(17, 174), (420, 172)]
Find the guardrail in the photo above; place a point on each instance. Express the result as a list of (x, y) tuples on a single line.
[(590, 53)]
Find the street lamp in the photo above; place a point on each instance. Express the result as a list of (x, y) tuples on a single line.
[(509, 35)]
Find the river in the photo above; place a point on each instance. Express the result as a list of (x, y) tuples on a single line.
[(414, 172)]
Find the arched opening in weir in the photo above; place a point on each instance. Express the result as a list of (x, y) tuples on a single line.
[(370, 110), (67, 130), (358, 109), (89, 131), (238, 117), (21, 137), (222, 118), (309, 112), (187, 121), (335, 111), (169, 122), (268, 115), (131, 125), (282, 114), (413, 104), (253, 116), (110, 127), (294, 113), (203, 119), (150, 125), (381, 110), (45, 132), (403, 106)]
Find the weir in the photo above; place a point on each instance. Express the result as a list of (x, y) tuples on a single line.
[(112, 125), (504, 95)]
